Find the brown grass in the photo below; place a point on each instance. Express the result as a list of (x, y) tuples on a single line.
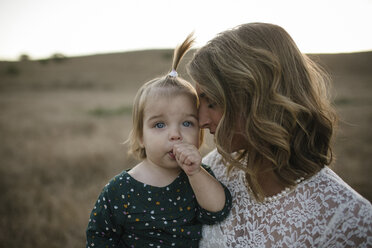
[(62, 125)]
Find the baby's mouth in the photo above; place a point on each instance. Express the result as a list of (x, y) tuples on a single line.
[(171, 154)]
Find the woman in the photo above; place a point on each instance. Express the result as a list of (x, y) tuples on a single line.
[(267, 105)]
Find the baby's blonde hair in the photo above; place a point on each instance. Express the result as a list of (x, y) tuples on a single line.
[(169, 85)]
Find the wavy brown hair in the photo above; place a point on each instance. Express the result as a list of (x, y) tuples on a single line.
[(165, 86), (256, 74)]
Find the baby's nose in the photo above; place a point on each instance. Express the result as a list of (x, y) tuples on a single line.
[(175, 135)]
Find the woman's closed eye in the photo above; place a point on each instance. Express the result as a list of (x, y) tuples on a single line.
[(211, 105)]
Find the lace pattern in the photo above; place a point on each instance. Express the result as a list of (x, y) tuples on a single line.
[(322, 211)]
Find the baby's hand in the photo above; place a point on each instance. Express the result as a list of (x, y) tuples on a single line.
[(188, 158)]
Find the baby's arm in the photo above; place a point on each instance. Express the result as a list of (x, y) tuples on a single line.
[(208, 191)]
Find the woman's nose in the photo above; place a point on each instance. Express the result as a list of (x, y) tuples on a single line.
[(204, 119)]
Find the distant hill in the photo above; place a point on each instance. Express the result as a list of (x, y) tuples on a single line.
[(129, 70), (344, 63), (105, 71)]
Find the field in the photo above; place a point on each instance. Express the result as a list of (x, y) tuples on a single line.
[(64, 120)]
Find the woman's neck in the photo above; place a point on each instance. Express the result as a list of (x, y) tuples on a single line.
[(270, 183)]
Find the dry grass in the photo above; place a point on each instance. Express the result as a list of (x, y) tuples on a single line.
[(55, 156), (62, 125)]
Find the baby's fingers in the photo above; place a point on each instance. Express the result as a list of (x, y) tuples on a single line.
[(188, 161)]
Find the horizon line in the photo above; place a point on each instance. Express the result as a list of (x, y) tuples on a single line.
[(31, 58)]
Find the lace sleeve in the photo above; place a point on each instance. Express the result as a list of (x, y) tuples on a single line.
[(350, 227)]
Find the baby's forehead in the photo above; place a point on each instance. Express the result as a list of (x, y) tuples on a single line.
[(170, 101), (169, 95), (176, 104), (167, 91)]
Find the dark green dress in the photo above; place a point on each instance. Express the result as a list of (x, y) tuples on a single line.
[(129, 213)]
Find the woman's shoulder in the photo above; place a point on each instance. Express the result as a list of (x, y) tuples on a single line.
[(337, 193), (349, 212), (333, 183)]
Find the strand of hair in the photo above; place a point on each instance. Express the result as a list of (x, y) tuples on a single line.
[(181, 50)]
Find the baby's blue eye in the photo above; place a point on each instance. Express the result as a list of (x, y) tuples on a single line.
[(160, 125), (186, 123)]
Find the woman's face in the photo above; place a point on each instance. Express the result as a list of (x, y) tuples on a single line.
[(209, 113), (210, 116)]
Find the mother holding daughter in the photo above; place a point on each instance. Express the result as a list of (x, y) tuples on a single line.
[(267, 106)]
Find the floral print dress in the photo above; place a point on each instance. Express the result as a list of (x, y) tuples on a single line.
[(129, 213)]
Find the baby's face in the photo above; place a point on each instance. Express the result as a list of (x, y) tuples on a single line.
[(167, 121)]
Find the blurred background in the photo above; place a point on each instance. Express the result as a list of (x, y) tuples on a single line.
[(69, 72)]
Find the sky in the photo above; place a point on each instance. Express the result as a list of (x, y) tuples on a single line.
[(41, 28)]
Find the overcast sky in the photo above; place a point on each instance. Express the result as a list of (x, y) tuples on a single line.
[(40, 28)]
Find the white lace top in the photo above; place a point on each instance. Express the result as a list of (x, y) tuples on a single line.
[(322, 211)]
